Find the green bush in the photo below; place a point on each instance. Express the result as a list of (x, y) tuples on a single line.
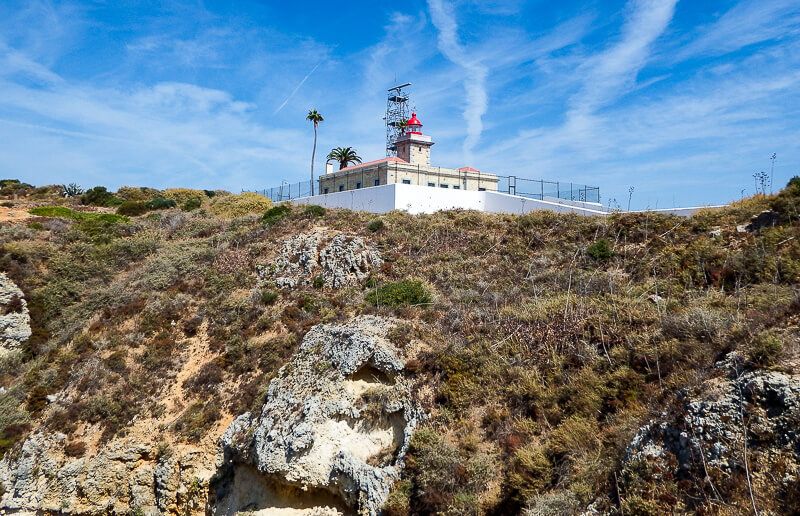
[(375, 225), (313, 210), (191, 204), (318, 282), (269, 297), (276, 213), (405, 292), (160, 203), (132, 208), (765, 349), (100, 196), (600, 250)]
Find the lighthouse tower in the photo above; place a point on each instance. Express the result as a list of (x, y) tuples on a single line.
[(413, 146)]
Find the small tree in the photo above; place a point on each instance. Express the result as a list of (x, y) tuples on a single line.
[(345, 156), (315, 118), (72, 190)]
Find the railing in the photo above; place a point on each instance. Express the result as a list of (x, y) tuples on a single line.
[(530, 188)]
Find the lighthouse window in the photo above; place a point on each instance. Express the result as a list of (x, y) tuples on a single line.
[(456, 187), (326, 190), (406, 181), (444, 186), (432, 184), (341, 188), (358, 185), (481, 189), (377, 182)]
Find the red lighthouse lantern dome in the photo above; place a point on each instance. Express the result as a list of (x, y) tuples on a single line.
[(414, 126)]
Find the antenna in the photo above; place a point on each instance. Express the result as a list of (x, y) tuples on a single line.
[(396, 116)]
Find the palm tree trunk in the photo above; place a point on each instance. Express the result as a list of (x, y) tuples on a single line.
[(313, 155)]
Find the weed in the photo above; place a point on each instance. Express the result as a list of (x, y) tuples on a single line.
[(765, 349), (275, 214), (600, 250), (400, 293), (375, 225), (313, 210)]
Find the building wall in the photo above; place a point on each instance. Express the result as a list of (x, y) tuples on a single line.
[(365, 177), (414, 153), (419, 199), (436, 177)]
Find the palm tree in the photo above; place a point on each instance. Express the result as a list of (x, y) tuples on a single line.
[(315, 118), (345, 156)]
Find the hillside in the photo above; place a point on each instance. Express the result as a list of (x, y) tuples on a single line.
[(188, 352)]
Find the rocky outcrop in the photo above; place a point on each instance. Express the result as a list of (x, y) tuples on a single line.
[(122, 477), (333, 431), (756, 410), (338, 261), (15, 322)]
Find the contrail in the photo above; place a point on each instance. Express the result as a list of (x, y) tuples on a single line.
[(297, 88)]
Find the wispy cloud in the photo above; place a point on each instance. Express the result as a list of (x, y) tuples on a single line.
[(475, 72), (612, 73), (746, 23)]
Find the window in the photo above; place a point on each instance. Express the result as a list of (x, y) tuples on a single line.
[(456, 187), (444, 186), (358, 185), (341, 188), (377, 182), (406, 181), (481, 189), (326, 190), (432, 184)]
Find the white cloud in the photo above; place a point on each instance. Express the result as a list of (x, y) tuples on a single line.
[(477, 100), (747, 23)]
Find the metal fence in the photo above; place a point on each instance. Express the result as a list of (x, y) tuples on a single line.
[(514, 185), (541, 189)]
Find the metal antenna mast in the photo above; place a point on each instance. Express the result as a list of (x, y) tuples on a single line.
[(396, 116)]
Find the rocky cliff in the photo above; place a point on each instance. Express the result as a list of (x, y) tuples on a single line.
[(291, 360)]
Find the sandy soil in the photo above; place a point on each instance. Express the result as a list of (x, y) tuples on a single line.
[(13, 214)]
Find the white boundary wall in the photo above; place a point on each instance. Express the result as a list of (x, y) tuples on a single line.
[(425, 199)]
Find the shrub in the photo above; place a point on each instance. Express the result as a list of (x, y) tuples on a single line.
[(269, 297), (276, 213), (191, 205), (100, 196), (765, 349), (132, 208), (318, 282), (405, 292), (160, 203), (313, 210), (232, 206), (186, 197), (375, 225), (600, 250), (137, 193)]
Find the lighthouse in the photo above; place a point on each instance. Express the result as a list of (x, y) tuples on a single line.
[(413, 146)]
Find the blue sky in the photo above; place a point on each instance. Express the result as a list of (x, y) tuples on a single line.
[(683, 100)]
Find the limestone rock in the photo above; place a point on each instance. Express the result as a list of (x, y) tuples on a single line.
[(123, 477), (340, 260), (15, 322), (709, 433), (337, 420)]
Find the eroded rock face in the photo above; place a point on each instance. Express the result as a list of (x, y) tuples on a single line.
[(122, 477), (336, 421), (340, 260), (15, 322), (709, 434)]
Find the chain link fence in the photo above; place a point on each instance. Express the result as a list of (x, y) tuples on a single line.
[(514, 185)]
